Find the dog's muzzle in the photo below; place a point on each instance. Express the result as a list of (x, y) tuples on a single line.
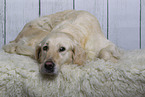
[(48, 68)]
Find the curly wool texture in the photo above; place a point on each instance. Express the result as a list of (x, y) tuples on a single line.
[(20, 77)]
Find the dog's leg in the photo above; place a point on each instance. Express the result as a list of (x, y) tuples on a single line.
[(110, 53), (10, 48), (19, 48)]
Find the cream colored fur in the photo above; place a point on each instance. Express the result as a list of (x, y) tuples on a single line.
[(78, 31), (20, 77)]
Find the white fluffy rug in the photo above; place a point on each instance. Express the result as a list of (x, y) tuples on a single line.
[(20, 77)]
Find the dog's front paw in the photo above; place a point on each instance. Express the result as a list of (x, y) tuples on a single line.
[(110, 53), (10, 48)]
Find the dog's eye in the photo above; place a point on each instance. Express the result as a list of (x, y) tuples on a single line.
[(61, 49), (45, 48)]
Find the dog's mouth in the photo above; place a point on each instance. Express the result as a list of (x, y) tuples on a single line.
[(48, 68)]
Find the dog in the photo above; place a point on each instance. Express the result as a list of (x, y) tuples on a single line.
[(67, 37)]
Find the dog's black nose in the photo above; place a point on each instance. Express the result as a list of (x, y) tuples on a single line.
[(49, 65)]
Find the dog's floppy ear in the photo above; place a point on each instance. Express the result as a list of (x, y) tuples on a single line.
[(38, 53), (79, 55)]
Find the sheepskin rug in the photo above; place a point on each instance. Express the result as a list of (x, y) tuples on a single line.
[(20, 77)]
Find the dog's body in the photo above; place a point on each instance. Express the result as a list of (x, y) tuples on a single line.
[(65, 37)]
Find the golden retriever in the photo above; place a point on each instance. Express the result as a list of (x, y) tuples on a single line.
[(63, 38)]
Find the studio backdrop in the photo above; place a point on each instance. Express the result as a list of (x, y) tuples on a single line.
[(122, 21)]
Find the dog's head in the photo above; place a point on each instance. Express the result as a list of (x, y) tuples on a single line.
[(57, 49)]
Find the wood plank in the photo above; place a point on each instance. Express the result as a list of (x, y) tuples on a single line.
[(53, 6), (97, 8), (1, 23), (143, 24), (124, 22), (19, 12)]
